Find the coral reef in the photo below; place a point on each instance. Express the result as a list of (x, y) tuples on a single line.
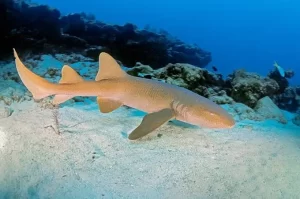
[(282, 81), (248, 87), (40, 28), (289, 100)]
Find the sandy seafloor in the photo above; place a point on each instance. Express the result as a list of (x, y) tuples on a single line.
[(92, 157)]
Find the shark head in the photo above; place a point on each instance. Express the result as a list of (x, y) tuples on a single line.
[(209, 118), (207, 115)]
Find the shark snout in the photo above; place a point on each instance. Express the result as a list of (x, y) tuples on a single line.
[(229, 122), (217, 120), (222, 120)]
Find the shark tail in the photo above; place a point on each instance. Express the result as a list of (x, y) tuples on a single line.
[(275, 64), (38, 86)]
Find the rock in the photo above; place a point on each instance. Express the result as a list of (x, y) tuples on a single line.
[(196, 79), (244, 112), (28, 26), (71, 58), (39, 28), (140, 70), (93, 52), (9, 94), (281, 81), (221, 98), (288, 100), (269, 110), (69, 40), (5, 112), (289, 74), (189, 75), (248, 88), (296, 120)]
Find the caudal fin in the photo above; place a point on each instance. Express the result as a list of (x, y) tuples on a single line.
[(38, 86)]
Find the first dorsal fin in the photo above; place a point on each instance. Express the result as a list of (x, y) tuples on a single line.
[(68, 75), (109, 68)]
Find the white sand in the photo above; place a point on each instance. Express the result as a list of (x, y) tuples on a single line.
[(93, 159)]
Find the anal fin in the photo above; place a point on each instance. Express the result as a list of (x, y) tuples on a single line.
[(59, 99), (151, 122), (107, 105)]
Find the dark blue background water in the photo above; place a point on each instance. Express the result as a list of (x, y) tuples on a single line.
[(248, 34)]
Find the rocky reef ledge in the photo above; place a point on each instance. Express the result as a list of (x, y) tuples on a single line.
[(38, 28)]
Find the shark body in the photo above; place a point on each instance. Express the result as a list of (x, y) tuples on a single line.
[(114, 88)]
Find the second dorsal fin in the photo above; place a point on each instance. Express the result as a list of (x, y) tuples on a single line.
[(68, 75)]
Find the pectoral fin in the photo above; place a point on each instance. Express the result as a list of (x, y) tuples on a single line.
[(108, 105), (151, 122)]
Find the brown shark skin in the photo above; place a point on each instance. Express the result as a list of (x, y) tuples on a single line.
[(143, 94), (152, 96)]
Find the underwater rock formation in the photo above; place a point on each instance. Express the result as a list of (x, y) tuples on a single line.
[(282, 81), (244, 112), (131, 45), (248, 88), (266, 108), (42, 29), (288, 100), (11, 91), (296, 120), (5, 112)]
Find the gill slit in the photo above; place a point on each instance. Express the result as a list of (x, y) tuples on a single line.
[(180, 109)]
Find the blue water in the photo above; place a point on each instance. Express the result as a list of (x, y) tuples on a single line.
[(240, 34)]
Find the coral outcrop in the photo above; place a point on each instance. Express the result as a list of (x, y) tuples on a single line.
[(42, 29), (248, 87), (266, 108), (289, 100), (282, 81)]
